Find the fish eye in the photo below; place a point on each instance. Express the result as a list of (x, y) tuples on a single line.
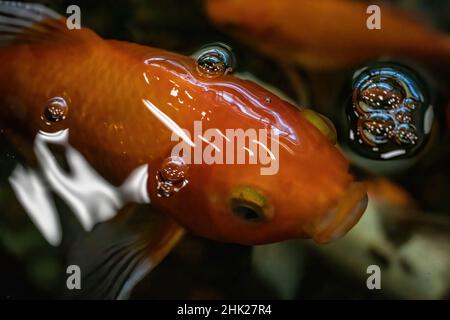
[(214, 60), (322, 123), (250, 205)]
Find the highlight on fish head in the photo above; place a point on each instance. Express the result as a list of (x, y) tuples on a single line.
[(247, 167)]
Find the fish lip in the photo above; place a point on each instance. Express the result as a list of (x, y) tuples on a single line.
[(337, 221)]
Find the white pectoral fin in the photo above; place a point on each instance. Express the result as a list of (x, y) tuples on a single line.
[(38, 203), (134, 188), (116, 250), (90, 196)]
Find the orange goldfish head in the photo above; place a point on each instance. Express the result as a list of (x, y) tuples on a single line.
[(260, 170)]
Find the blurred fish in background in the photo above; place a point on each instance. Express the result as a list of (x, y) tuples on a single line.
[(329, 34)]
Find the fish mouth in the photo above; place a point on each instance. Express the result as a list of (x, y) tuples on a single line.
[(340, 219)]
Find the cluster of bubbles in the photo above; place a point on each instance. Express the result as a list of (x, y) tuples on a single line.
[(171, 177), (387, 111)]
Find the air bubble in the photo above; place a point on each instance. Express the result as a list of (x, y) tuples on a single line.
[(215, 60), (380, 93), (377, 129), (406, 134), (403, 115), (411, 103), (171, 177), (55, 111)]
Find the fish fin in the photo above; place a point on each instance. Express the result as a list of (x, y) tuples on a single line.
[(28, 23), (32, 192), (116, 255)]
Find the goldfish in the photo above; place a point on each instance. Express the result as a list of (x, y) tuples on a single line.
[(119, 106), (330, 34)]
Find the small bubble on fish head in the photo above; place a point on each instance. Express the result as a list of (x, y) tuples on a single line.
[(55, 111), (387, 111), (171, 177), (215, 60)]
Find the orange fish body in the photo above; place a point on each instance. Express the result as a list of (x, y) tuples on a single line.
[(126, 102), (329, 34)]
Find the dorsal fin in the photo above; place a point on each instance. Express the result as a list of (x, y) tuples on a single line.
[(32, 23)]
